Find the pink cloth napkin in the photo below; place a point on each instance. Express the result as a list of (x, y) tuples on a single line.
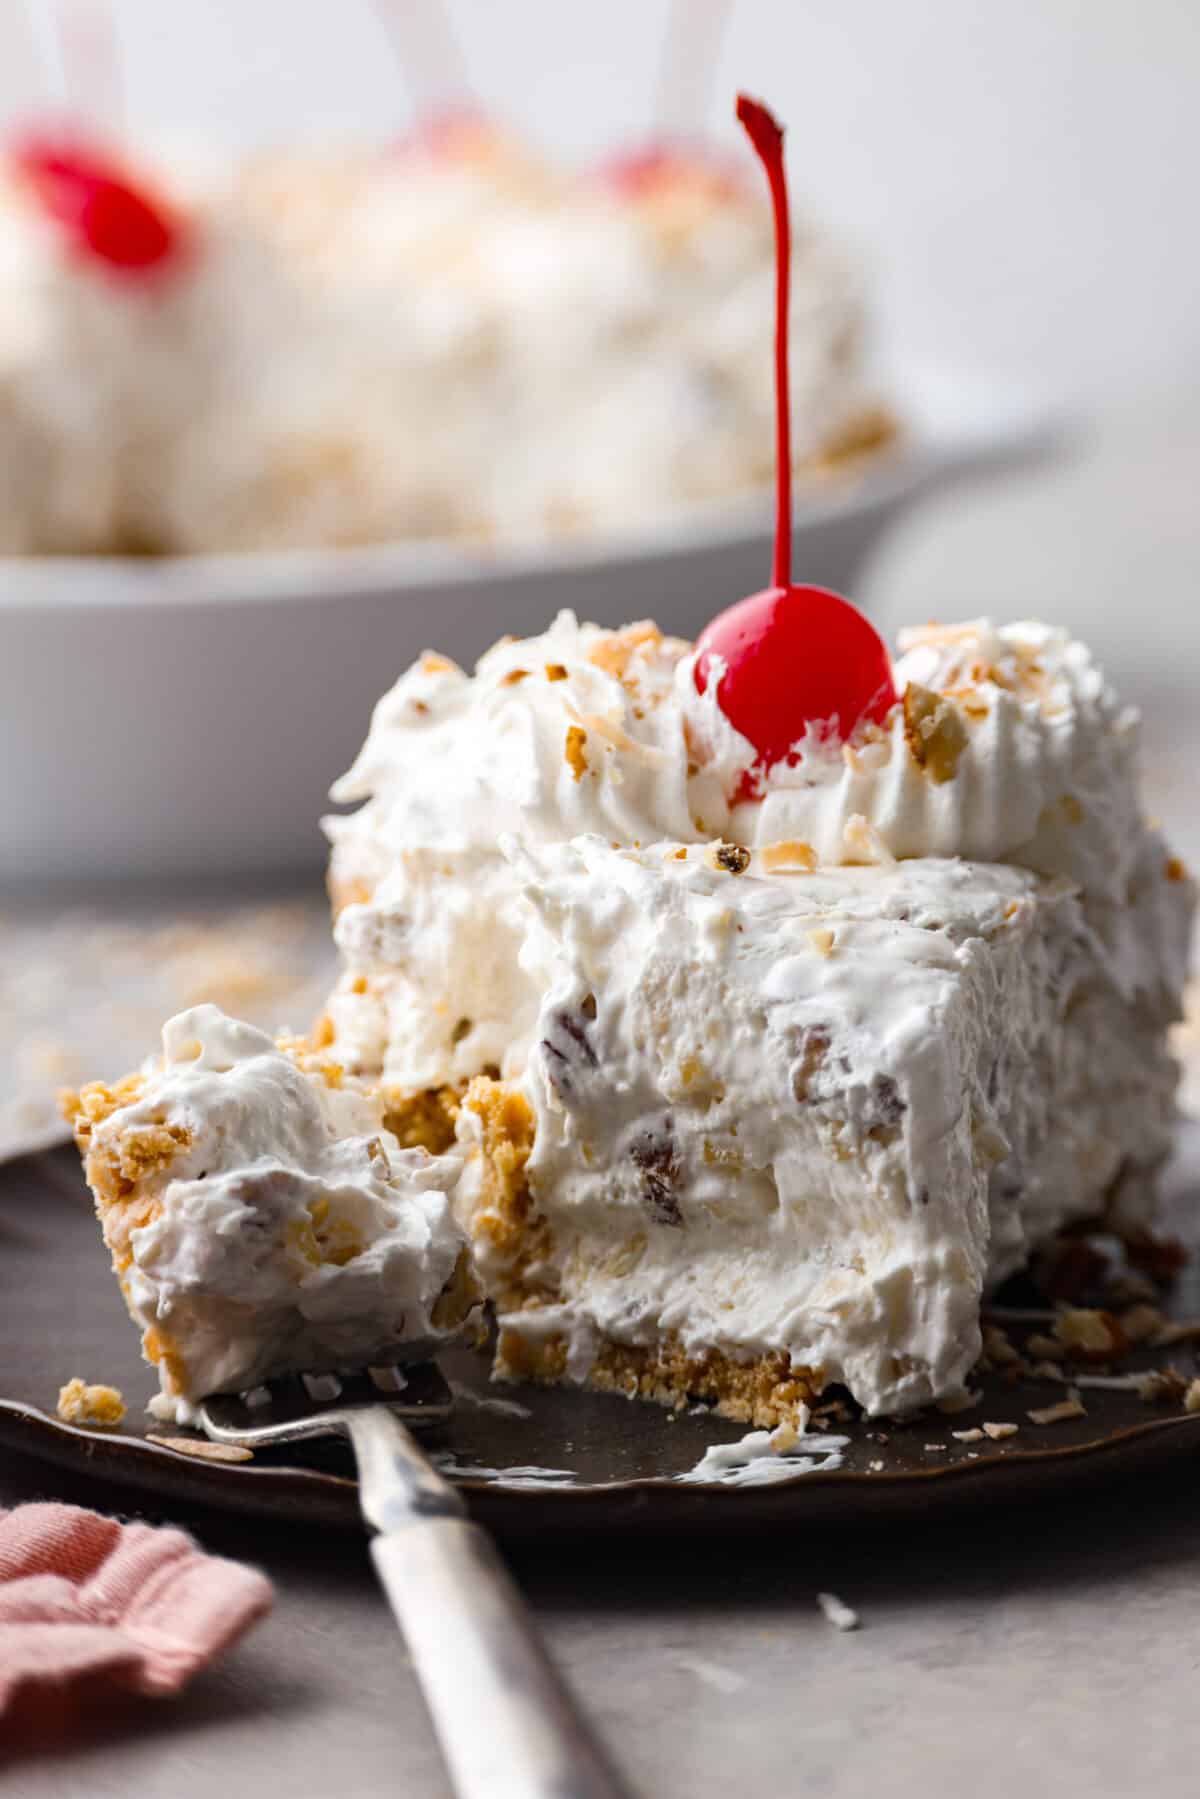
[(88, 1602)]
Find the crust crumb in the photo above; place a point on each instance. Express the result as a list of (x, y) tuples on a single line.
[(81, 1403), (424, 1119)]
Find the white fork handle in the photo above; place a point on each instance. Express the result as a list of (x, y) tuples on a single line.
[(507, 1725)]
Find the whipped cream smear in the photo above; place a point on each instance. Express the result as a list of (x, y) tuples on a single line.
[(808, 1073)]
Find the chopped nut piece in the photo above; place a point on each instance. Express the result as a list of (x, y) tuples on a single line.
[(788, 855), (206, 1451), (79, 1403), (1186, 1331), (1191, 1399), (575, 758), (1140, 1323), (1159, 1257), (998, 1432), (1162, 1384), (997, 1347), (1092, 1336), (967, 1436), (934, 731), (959, 1402), (1071, 1407), (730, 857), (823, 941), (555, 671)]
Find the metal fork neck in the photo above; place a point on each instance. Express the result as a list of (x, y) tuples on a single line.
[(396, 1483)]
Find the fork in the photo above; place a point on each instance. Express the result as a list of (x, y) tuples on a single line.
[(507, 1726)]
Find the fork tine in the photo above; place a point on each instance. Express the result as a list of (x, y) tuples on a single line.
[(317, 1403)]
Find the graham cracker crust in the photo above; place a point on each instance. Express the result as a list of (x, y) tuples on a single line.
[(766, 1391), (509, 1230), (424, 1119)]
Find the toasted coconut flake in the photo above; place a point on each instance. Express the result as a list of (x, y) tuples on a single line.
[(1071, 1407), (204, 1450), (864, 843), (788, 854), (837, 1612), (998, 1432)]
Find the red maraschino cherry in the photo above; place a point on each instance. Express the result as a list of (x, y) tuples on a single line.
[(91, 198), (458, 133), (796, 659), (641, 173)]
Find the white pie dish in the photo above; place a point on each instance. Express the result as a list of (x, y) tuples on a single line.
[(187, 716)]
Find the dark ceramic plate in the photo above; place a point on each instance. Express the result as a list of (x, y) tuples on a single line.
[(619, 1463)]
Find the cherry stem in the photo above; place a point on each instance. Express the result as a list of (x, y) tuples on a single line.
[(766, 134)]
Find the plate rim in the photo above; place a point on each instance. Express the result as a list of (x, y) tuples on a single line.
[(134, 1460)]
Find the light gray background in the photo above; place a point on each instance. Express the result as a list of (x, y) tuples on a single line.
[(1021, 176)]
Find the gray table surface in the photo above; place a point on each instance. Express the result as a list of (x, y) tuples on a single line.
[(1053, 1650)]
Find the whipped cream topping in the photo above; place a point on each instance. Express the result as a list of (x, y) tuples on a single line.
[(453, 760), (284, 1228), (1007, 745), (575, 731), (813, 1111)]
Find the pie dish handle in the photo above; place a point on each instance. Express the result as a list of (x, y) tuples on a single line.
[(507, 1725)]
